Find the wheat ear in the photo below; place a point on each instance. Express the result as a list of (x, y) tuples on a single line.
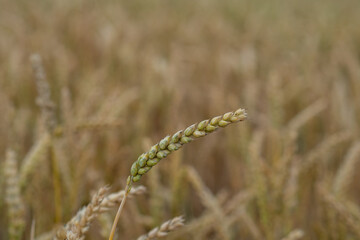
[(34, 157), (80, 223), (48, 114), (16, 208), (47, 106), (114, 199), (164, 229), (294, 235), (172, 143)]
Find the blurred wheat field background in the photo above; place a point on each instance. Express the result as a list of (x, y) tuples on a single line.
[(121, 75)]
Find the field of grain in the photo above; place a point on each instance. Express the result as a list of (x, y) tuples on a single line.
[(87, 86)]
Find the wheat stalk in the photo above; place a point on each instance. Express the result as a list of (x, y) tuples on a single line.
[(44, 101), (307, 114), (341, 209), (164, 229), (112, 200), (209, 219), (325, 146), (210, 202), (80, 223), (34, 156), (16, 208), (294, 235), (172, 143), (96, 125), (100, 203), (32, 230), (48, 114), (347, 170)]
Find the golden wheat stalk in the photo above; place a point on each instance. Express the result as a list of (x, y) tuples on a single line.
[(164, 229), (100, 203), (209, 219), (32, 230), (210, 202), (16, 208), (322, 148), (44, 101), (294, 235), (347, 170), (48, 114), (112, 200), (341, 209), (307, 114), (172, 143), (96, 125), (34, 157), (80, 223)]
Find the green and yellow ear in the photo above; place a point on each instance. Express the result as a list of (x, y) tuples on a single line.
[(172, 143)]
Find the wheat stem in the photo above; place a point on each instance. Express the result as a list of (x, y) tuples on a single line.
[(172, 143), (118, 214)]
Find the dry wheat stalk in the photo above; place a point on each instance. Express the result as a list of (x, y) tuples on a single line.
[(291, 188), (248, 221), (210, 202), (34, 156), (48, 114), (347, 170), (172, 143), (259, 180), (344, 213), (16, 208), (208, 219), (322, 148), (307, 114), (99, 204), (80, 223), (164, 229), (294, 235), (114, 199), (32, 230), (44, 101), (97, 125)]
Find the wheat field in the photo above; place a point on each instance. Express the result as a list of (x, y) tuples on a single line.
[(86, 87)]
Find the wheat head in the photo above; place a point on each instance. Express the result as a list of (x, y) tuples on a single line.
[(47, 106), (172, 143), (164, 229), (80, 223), (16, 208)]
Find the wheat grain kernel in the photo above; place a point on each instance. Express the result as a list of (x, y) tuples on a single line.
[(143, 170), (134, 169), (152, 162), (136, 178), (164, 142), (189, 131)]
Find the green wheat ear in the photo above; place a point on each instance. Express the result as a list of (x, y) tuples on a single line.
[(172, 143)]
